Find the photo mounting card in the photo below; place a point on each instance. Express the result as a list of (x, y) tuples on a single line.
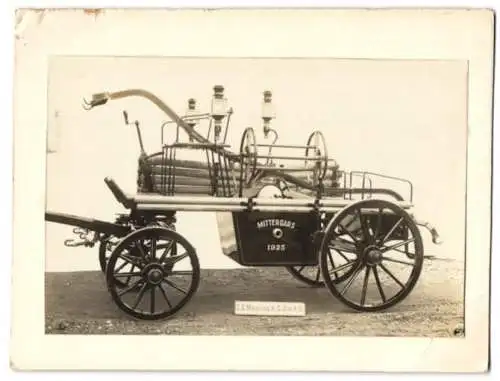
[(177, 185)]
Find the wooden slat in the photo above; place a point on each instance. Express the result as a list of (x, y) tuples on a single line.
[(190, 189), (188, 172), (193, 180), (159, 160)]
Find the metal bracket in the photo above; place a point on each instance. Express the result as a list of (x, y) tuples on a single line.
[(86, 238), (435, 235)]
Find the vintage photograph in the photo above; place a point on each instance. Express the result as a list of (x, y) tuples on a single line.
[(277, 190), (210, 196)]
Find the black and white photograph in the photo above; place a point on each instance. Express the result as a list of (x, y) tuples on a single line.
[(258, 196), (219, 192)]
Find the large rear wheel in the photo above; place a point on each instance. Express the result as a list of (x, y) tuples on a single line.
[(385, 254)]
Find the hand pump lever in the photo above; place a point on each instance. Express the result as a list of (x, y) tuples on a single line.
[(139, 136)]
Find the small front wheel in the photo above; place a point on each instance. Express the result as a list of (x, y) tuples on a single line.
[(106, 246), (165, 277)]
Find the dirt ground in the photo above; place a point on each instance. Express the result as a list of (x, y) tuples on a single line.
[(78, 303)]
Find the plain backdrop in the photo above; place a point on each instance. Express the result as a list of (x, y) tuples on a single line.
[(400, 118)]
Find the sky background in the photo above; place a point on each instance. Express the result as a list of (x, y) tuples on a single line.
[(400, 118)]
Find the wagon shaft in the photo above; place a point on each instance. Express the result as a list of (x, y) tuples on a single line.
[(91, 224)]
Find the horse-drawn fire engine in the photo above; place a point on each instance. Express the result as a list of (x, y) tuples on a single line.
[(316, 223)]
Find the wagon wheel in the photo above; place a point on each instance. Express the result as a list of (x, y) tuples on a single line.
[(310, 275), (108, 243), (157, 288), (106, 246), (372, 246), (316, 146), (248, 152)]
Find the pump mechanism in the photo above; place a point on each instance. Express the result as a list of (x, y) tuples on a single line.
[(137, 128)]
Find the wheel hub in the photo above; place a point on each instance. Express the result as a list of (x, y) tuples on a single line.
[(373, 256), (154, 274)]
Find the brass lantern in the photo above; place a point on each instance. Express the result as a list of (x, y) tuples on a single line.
[(219, 110), (267, 111), (190, 113)]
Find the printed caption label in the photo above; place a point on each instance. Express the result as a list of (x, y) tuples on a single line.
[(269, 308)]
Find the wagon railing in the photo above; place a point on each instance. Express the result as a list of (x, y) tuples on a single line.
[(367, 181)]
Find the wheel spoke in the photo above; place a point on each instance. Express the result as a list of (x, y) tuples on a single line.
[(317, 275), (364, 227), (152, 304), (379, 285), (398, 261), (301, 269), (130, 259), (153, 248), (140, 295), (348, 232), (139, 245), (393, 229), (127, 274), (123, 265), (172, 284), (129, 288), (331, 259), (350, 222), (343, 255), (167, 250), (391, 275), (379, 224), (174, 259), (164, 293), (343, 267), (365, 285), (351, 280), (395, 246), (342, 244), (131, 270), (404, 252)]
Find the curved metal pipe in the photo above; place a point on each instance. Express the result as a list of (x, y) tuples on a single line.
[(102, 98), (272, 145)]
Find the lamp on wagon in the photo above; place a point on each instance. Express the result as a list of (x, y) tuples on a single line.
[(267, 112), (267, 115), (191, 112), (219, 110)]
